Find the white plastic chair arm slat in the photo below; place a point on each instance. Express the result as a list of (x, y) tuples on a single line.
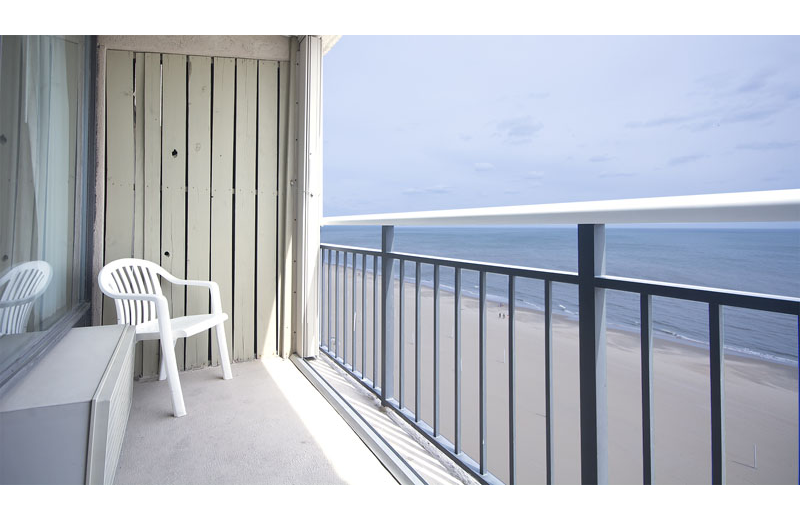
[(216, 302)]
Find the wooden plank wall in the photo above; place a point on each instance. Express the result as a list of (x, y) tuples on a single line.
[(192, 184)]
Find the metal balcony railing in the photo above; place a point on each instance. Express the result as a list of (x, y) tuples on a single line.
[(591, 282)]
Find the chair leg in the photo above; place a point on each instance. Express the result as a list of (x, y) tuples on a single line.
[(223, 352), (162, 370), (173, 381)]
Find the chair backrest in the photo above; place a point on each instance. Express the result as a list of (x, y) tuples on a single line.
[(19, 289), (131, 276)]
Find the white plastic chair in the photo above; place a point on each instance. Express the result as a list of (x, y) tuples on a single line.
[(134, 286), (23, 284)]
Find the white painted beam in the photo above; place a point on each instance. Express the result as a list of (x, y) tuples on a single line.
[(753, 206)]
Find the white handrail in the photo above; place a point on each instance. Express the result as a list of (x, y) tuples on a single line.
[(752, 206)]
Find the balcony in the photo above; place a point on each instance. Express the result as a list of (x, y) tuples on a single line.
[(433, 374), (417, 386)]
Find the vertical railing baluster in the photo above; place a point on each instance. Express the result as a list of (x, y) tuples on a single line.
[(646, 320), (435, 350), (330, 253), (417, 349), (387, 315), (344, 310), (354, 314), (512, 475), (400, 385), (715, 337), (375, 321), (457, 360), (548, 378), (336, 315), (482, 371), (363, 315), (592, 356)]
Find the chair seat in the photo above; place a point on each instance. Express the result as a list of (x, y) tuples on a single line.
[(182, 327)]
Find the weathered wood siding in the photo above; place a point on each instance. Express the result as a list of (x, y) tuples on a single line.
[(192, 183)]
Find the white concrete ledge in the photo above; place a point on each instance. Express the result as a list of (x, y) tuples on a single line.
[(753, 206)]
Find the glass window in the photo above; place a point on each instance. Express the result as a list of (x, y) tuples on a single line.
[(44, 83)]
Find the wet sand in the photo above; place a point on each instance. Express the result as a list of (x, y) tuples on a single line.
[(761, 409)]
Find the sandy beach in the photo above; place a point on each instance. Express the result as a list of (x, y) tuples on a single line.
[(761, 398)]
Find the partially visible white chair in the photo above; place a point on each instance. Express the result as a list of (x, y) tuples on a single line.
[(134, 286), (20, 287)]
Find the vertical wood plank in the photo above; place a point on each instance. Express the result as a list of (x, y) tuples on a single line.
[(173, 185), (198, 236), (244, 274), (267, 210), (138, 183), (222, 192), (152, 186), (120, 160)]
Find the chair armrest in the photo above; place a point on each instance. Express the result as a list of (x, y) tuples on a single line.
[(216, 300), (162, 308)]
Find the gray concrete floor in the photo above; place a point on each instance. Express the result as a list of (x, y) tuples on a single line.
[(267, 425)]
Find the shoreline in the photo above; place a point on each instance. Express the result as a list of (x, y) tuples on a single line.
[(729, 349)]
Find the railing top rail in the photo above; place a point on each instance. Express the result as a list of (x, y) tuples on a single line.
[(753, 206)]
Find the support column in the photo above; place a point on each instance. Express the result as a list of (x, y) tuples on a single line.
[(592, 338), (309, 194), (387, 315)]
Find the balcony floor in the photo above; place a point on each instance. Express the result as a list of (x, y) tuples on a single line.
[(268, 425)]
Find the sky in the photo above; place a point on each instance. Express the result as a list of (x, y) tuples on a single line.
[(423, 123)]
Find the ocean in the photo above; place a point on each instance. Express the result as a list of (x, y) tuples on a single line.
[(753, 260)]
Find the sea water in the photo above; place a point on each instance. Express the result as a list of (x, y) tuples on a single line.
[(753, 260)]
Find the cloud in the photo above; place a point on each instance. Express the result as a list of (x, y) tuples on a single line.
[(518, 130), (484, 167), (664, 121), (534, 175), (539, 95), (599, 158), (709, 119), (767, 145), (610, 175), (738, 115), (791, 92), (750, 114), (428, 190), (755, 82), (684, 159), (465, 137)]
